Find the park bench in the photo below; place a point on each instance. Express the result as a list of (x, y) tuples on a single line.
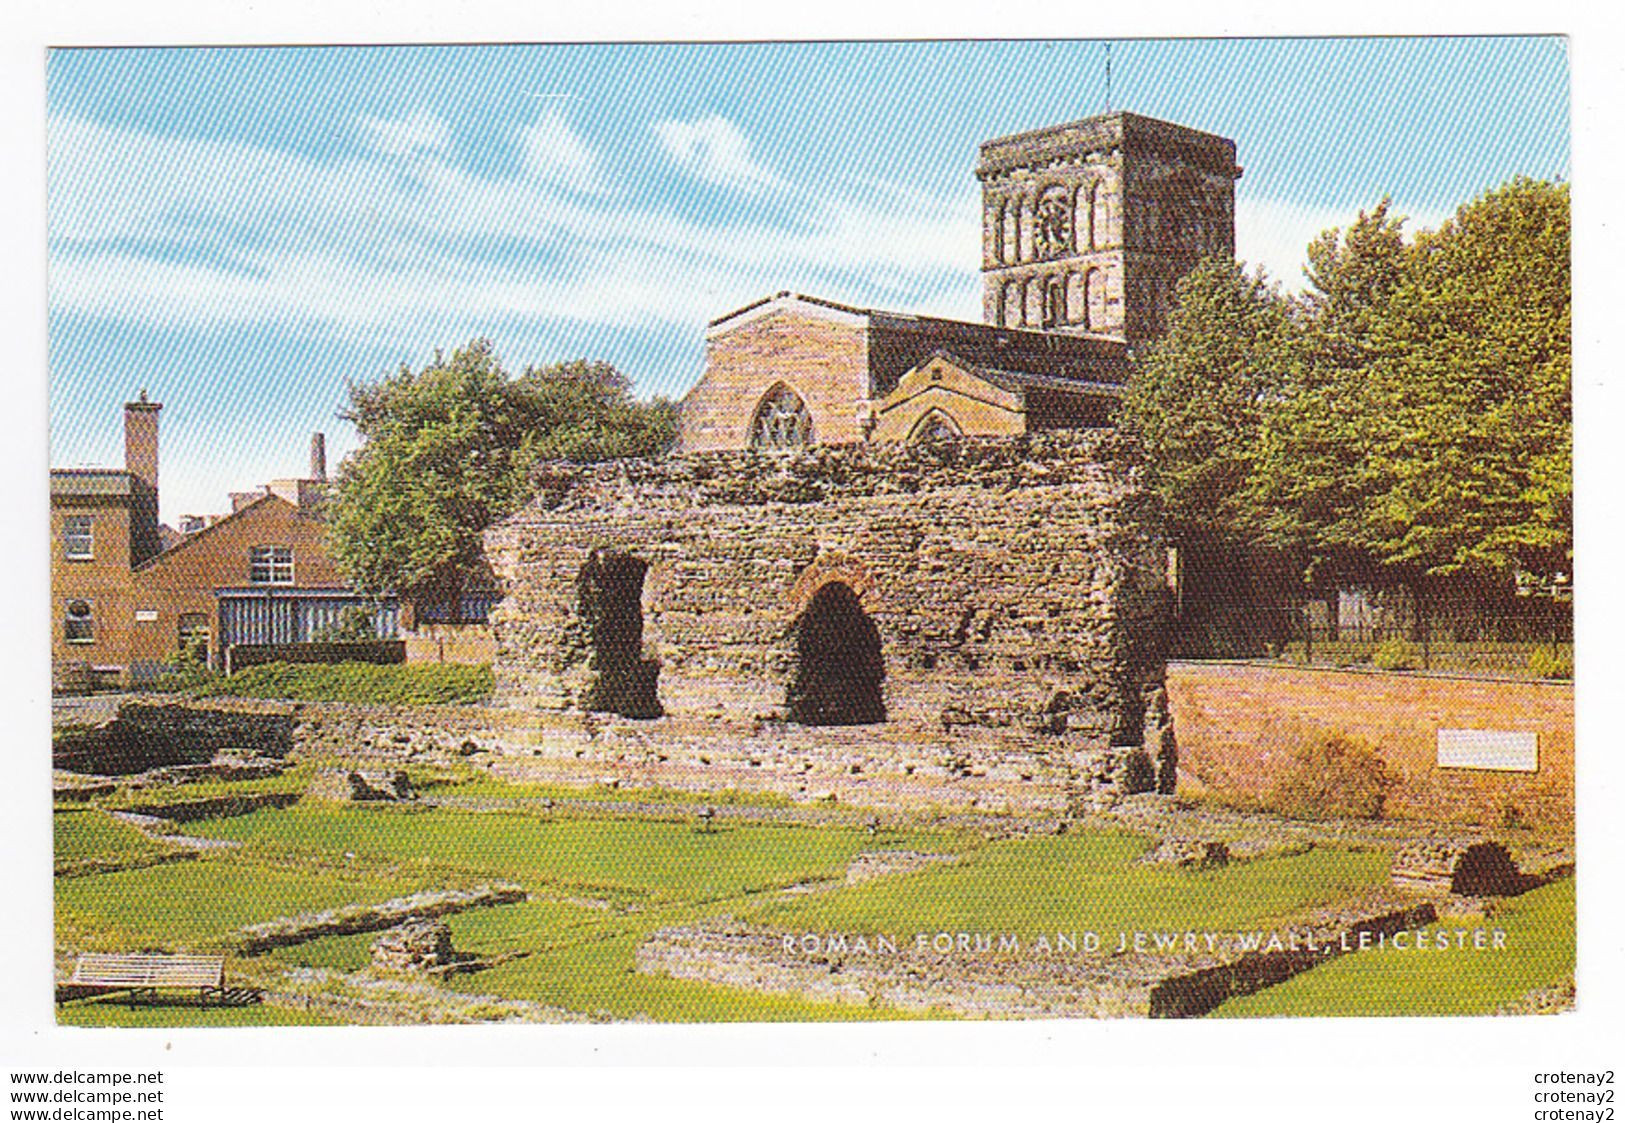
[(145, 974)]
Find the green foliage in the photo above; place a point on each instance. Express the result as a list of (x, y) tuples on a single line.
[(186, 669), (400, 684), (1197, 403), (1552, 661), (1331, 777), (1396, 653), (1408, 421), (448, 451)]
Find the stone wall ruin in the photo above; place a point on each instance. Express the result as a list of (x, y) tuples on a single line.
[(991, 598)]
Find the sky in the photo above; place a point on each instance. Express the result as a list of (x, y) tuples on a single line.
[(243, 231)]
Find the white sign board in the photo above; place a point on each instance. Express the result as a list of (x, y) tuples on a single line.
[(1503, 750), (146, 616)]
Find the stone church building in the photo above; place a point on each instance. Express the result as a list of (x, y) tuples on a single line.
[(1086, 229), (894, 558)]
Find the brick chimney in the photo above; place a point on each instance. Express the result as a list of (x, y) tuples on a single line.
[(318, 457), (141, 439), (141, 461)]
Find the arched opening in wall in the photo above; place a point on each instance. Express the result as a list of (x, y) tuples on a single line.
[(838, 668), (1099, 201), (1012, 304), (1095, 299), (934, 426), (1077, 305), (1054, 302), (1083, 231), (781, 421), (609, 595), (1009, 245)]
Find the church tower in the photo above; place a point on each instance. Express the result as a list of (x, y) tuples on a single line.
[(1087, 227)]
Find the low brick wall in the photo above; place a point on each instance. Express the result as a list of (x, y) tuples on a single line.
[(1238, 725)]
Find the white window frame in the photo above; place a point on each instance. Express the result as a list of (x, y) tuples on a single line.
[(88, 620), (270, 565), (70, 535)]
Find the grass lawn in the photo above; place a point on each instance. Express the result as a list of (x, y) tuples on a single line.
[(1388, 983), (198, 904), (111, 1012), (1087, 880), (619, 857), (398, 684), (600, 886), (86, 835)]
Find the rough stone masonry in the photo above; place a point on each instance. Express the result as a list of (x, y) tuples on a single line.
[(986, 604)]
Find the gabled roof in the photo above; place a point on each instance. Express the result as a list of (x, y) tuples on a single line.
[(202, 535), (900, 341), (1020, 381)]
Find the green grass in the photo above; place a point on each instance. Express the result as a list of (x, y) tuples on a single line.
[(653, 860), (401, 684), (1084, 881), (199, 904), (599, 887), (112, 1012), (1409, 983), (295, 779), (85, 837)]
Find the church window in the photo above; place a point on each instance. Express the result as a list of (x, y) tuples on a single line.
[(934, 426), (1054, 302), (1099, 200), (1052, 230), (782, 421), (1012, 304), (1077, 306), (1095, 298), (1010, 244)]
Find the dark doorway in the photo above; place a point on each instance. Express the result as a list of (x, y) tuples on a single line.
[(838, 668), (610, 597)]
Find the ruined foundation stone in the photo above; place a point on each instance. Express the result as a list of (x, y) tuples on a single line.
[(959, 605), (1478, 869), (360, 786), (414, 946)]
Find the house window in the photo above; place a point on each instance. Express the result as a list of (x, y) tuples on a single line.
[(79, 622), (270, 565), (79, 538)]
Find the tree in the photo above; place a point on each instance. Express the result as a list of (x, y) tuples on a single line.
[(1196, 408), (1472, 420), (448, 451), (1314, 470)]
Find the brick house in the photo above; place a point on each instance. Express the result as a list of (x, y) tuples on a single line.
[(124, 603)]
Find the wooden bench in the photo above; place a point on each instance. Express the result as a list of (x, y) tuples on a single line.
[(145, 974)]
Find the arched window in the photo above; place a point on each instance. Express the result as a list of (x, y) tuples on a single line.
[(934, 426), (1010, 243), (1055, 302), (782, 421), (1095, 299), (1077, 305), (1012, 304)]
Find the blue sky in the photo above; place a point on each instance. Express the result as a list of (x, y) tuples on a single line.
[(240, 231)]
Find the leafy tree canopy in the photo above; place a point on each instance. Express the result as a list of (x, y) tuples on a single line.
[(448, 450)]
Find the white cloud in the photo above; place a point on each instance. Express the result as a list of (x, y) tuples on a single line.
[(170, 232), (713, 149), (422, 132), (556, 153)]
